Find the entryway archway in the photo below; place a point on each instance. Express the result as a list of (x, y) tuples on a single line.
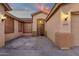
[(40, 27)]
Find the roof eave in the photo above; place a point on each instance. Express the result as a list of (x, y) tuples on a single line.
[(53, 11), (27, 21), (12, 16), (38, 13), (7, 6)]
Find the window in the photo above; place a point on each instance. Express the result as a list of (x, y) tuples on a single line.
[(9, 25), (27, 28), (19, 26)]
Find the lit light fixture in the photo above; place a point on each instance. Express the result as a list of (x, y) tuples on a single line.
[(2, 17), (66, 17), (40, 22)]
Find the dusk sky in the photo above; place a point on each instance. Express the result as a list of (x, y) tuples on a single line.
[(24, 10)]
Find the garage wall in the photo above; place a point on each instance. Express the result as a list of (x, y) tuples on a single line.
[(71, 8), (65, 26), (56, 22), (68, 8)]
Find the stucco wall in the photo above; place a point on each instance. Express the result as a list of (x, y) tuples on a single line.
[(27, 34), (2, 35), (53, 26), (71, 8), (15, 34), (68, 8)]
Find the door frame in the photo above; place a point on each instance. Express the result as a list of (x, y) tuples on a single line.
[(37, 25), (73, 13)]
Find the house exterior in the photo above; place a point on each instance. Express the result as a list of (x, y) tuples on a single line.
[(13, 27), (3, 9), (37, 16), (27, 26), (63, 25)]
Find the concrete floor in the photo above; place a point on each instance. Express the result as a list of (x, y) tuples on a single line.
[(35, 46)]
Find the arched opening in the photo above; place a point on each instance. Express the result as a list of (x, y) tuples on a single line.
[(40, 27)]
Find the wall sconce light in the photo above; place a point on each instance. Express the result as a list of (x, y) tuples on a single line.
[(66, 16), (2, 17), (66, 19)]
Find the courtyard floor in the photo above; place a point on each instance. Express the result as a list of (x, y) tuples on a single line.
[(35, 46)]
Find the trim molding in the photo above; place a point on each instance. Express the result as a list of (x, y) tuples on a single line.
[(38, 13), (8, 8)]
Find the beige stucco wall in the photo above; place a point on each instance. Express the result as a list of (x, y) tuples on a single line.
[(35, 17), (16, 34), (27, 34), (65, 26), (68, 8), (2, 35), (55, 24), (71, 8)]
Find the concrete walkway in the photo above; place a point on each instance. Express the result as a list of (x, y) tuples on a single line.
[(35, 46)]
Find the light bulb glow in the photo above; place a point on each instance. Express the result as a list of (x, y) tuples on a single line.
[(2, 16)]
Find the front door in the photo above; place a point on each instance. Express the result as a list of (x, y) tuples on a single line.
[(40, 27)]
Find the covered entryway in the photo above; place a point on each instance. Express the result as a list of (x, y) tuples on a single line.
[(75, 27), (40, 27)]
